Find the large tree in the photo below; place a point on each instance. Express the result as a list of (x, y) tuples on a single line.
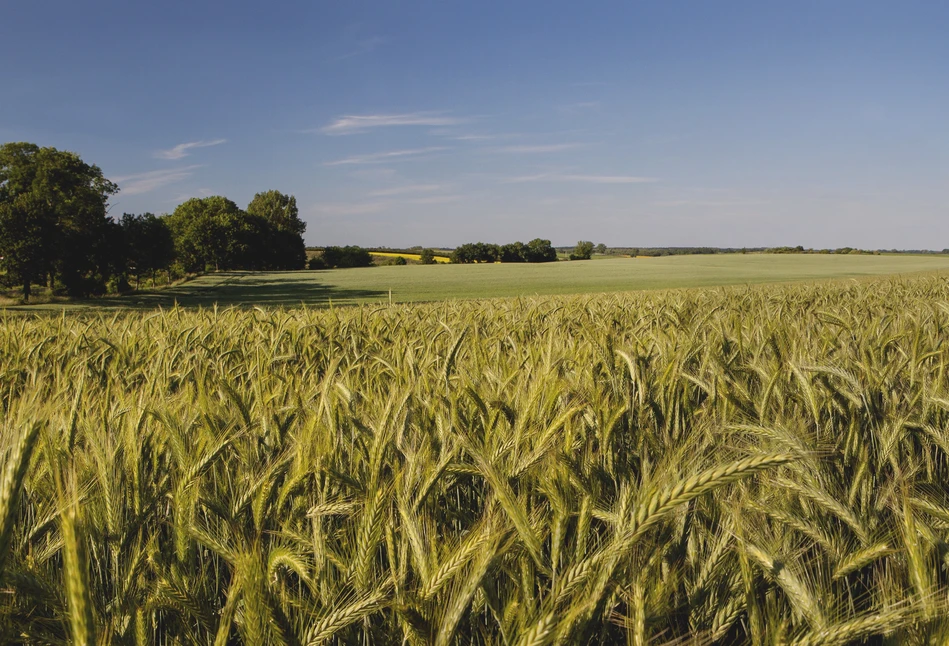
[(540, 250), (285, 246), (53, 219), (211, 233)]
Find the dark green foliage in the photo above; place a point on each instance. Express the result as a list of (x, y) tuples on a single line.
[(344, 257), (53, 221), (476, 252), (583, 250), (427, 257), (537, 250), (214, 233), (148, 242), (207, 233), (514, 252), (540, 250), (285, 247), (24, 237)]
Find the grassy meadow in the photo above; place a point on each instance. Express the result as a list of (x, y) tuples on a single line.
[(720, 466), (413, 283)]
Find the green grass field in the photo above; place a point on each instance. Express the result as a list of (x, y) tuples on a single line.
[(436, 283)]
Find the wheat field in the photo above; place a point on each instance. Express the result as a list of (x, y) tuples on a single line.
[(761, 465)]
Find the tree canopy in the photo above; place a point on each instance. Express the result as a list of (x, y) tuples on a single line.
[(537, 250), (214, 233), (284, 247), (53, 219), (583, 250), (345, 257), (149, 245)]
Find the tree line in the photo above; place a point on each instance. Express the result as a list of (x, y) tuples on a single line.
[(537, 250), (55, 229)]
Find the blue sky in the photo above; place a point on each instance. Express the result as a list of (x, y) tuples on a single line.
[(820, 123)]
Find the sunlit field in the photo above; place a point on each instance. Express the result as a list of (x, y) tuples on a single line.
[(732, 465), (412, 283)]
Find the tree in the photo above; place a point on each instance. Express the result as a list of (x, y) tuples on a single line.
[(54, 221), (148, 243), (213, 232), (513, 252), (285, 246), (427, 257), (486, 252), (537, 250), (601, 249), (540, 250), (583, 250), (463, 254), (345, 257), (25, 237)]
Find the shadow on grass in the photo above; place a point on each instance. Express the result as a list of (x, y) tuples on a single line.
[(225, 289)]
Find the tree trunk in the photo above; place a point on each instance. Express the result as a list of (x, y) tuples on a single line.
[(26, 291)]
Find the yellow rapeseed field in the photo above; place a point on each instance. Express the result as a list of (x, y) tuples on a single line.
[(407, 256)]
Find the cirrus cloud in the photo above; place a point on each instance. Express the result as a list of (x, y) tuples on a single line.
[(352, 124), (384, 157), (139, 183), (181, 150)]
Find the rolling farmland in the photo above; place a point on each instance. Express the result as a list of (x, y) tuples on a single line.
[(414, 283)]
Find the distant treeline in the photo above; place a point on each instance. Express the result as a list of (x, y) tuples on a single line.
[(341, 258), (672, 251), (55, 229), (689, 251), (537, 250)]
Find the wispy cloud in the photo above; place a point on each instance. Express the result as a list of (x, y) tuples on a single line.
[(475, 137), (182, 150), (528, 149), (351, 124), (408, 190), (144, 182), (589, 179), (385, 157), (364, 46)]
